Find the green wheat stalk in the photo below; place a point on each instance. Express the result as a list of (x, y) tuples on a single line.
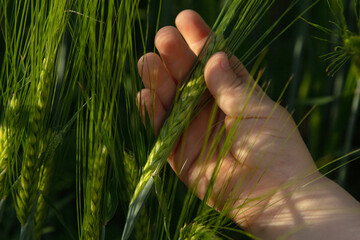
[(106, 28), (41, 51), (97, 127)]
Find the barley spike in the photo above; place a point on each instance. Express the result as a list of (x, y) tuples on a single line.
[(92, 215), (45, 175), (31, 164), (197, 231), (179, 117), (7, 140)]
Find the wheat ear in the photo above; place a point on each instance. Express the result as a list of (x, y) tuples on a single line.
[(45, 175), (92, 215), (197, 231), (28, 188), (179, 117), (7, 143), (131, 172)]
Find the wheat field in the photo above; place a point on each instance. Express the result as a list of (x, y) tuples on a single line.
[(78, 160)]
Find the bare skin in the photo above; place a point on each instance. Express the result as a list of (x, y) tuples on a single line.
[(268, 180)]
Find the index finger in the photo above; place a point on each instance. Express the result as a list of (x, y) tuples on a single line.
[(196, 31), (193, 28)]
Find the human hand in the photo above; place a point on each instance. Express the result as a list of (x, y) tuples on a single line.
[(268, 159)]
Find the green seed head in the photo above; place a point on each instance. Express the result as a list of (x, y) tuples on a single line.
[(352, 45), (7, 143), (197, 231)]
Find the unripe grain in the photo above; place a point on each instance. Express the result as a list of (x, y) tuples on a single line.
[(46, 172), (7, 143), (179, 117), (28, 189), (92, 214)]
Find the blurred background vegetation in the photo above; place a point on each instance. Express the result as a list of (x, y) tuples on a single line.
[(330, 131)]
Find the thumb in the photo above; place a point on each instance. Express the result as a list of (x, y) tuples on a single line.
[(235, 94)]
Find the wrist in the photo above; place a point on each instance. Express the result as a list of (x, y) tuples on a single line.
[(309, 208)]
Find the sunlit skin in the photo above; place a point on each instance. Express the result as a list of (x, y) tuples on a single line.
[(268, 179)]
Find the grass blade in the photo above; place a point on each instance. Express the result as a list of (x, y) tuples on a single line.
[(135, 209)]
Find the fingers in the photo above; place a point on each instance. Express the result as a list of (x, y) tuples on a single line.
[(235, 93), (149, 102), (156, 78), (177, 56), (193, 28), (177, 48)]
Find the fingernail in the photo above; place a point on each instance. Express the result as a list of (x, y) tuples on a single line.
[(224, 63)]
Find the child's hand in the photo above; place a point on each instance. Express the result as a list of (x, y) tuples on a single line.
[(259, 177)]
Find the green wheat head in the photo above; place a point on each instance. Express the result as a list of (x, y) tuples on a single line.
[(8, 149), (45, 178), (347, 45), (31, 162), (92, 216), (107, 33), (197, 231), (179, 117), (36, 91)]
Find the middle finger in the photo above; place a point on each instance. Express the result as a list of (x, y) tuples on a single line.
[(177, 56)]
